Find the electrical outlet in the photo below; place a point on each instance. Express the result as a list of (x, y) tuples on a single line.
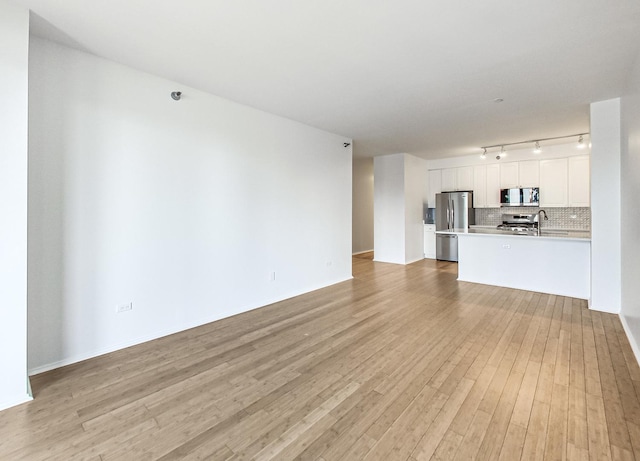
[(506, 246), (124, 307)]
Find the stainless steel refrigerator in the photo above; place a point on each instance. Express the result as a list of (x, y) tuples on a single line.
[(454, 211)]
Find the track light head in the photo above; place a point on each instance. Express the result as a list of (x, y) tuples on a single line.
[(537, 148), (483, 156), (176, 95), (581, 144)]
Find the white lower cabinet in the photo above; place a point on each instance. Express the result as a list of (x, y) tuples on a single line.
[(430, 241)]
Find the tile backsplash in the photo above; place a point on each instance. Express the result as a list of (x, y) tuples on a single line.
[(559, 218)]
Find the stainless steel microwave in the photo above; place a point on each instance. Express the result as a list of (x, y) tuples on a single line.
[(527, 196)]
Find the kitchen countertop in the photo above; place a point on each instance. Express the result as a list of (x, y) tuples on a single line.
[(546, 233)]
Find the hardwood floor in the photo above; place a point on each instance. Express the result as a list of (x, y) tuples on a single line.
[(400, 363)]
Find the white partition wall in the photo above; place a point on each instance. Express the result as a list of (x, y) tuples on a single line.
[(400, 192), (14, 60), (415, 174), (388, 209), (630, 219), (605, 206)]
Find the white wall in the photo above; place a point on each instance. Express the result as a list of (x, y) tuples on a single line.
[(630, 214), (415, 189), (14, 48), (183, 208), (400, 191), (362, 205), (605, 206), (388, 204)]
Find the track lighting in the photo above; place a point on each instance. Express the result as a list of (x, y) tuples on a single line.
[(537, 148), (176, 95)]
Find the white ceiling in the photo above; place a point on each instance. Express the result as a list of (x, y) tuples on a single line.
[(414, 76)]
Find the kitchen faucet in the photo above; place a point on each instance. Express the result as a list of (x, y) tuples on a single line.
[(546, 218)]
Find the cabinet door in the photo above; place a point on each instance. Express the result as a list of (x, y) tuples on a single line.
[(479, 186), (435, 186), (449, 176), (553, 183), (579, 181), (493, 186), (430, 241), (509, 175), (529, 173), (464, 178)]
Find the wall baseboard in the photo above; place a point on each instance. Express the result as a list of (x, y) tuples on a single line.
[(15, 401), (414, 260), (362, 252), (166, 332), (634, 345), (602, 309)]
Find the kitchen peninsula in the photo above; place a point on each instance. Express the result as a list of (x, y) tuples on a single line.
[(554, 262)]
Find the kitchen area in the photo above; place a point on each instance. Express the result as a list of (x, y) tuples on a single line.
[(521, 224)]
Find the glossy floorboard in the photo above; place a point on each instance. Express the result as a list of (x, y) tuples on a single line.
[(401, 363)]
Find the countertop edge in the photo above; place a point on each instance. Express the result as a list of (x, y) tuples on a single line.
[(507, 235)]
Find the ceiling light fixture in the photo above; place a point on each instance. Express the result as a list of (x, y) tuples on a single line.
[(483, 156), (503, 152), (537, 148)]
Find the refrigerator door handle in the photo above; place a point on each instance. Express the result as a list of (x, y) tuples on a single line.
[(453, 214)]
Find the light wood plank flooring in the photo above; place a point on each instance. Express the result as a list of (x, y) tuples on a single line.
[(400, 363)]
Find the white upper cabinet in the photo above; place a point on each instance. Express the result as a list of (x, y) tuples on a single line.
[(434, 186), (454, 179), (520, 174), (529, 173), (464, 178), (554, 183), (579, 181), (509, 175), (480, 186), (563, 182), (449, 180), (493, 186)]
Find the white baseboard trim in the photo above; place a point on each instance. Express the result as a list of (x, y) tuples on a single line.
[(166, 332), (15, 401), (414, 260), (387, 262), (362, 252), (634, 345), (603, 309)]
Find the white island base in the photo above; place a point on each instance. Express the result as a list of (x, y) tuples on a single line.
[(551, 265)]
